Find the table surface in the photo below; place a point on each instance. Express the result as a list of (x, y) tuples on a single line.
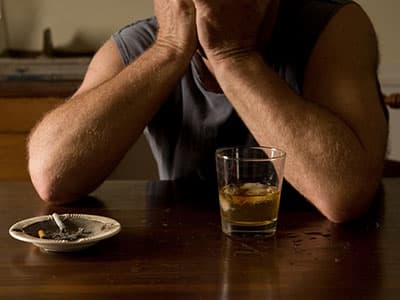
[(171, 247)]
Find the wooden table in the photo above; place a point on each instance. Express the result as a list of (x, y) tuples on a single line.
[(171, 247)]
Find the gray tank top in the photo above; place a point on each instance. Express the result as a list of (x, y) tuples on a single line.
[(194, 122)]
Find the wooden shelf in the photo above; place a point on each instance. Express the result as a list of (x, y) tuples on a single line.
[(27, 88), (17, 117)]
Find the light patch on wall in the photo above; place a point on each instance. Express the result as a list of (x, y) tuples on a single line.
[(389, 76), (75, 24)]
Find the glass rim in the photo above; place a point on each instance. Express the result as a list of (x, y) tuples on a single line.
[(219, 153)]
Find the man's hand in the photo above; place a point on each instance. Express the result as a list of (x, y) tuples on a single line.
[(177, 25), (226, 28)]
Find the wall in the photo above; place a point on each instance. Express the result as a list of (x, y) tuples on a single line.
[(385, 16), (92, 21), (83, 24)]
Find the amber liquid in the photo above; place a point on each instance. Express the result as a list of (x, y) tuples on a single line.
[(249, 204)]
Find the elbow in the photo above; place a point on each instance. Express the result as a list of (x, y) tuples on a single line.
[(48, 170), (343, 213), (349, 203), (50, 192), (349, 196), (340, 215), (47, 191), (48, 185)]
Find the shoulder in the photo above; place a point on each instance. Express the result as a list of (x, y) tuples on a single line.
[(143, 27), (135, 38), (299, 27), (301, 22), (341, 73), (346, 48), (312, 17), (350, 34)]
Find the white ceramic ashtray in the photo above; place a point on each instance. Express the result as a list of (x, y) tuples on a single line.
[(64, 233)]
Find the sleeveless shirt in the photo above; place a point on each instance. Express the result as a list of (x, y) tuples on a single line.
[(193, 122)]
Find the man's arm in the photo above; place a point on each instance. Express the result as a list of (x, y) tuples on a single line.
[(76, 146), (335, 134)]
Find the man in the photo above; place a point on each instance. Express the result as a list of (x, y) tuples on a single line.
[(298, 75)]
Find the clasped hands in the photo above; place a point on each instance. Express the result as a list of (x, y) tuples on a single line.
[(221, 28)]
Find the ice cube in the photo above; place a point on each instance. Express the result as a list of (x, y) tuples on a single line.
[(224, 203), (255, 189), (231, 189)]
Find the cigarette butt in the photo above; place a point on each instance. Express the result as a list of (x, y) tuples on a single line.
[(41, 233)]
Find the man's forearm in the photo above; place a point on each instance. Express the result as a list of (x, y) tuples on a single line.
[(326, 160), (77, 145)]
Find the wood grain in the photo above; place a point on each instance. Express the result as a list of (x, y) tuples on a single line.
[(171, 247), (19, 115), (13, 162)]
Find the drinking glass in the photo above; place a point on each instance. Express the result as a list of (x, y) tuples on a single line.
[(249, 188)]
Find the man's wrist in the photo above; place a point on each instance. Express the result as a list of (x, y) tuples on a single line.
[(236, 59), (177, 53)]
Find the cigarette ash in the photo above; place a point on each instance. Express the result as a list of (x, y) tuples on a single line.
[(67, 235), (74, 229)]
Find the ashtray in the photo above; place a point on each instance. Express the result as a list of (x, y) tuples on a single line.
[(64, 233)]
